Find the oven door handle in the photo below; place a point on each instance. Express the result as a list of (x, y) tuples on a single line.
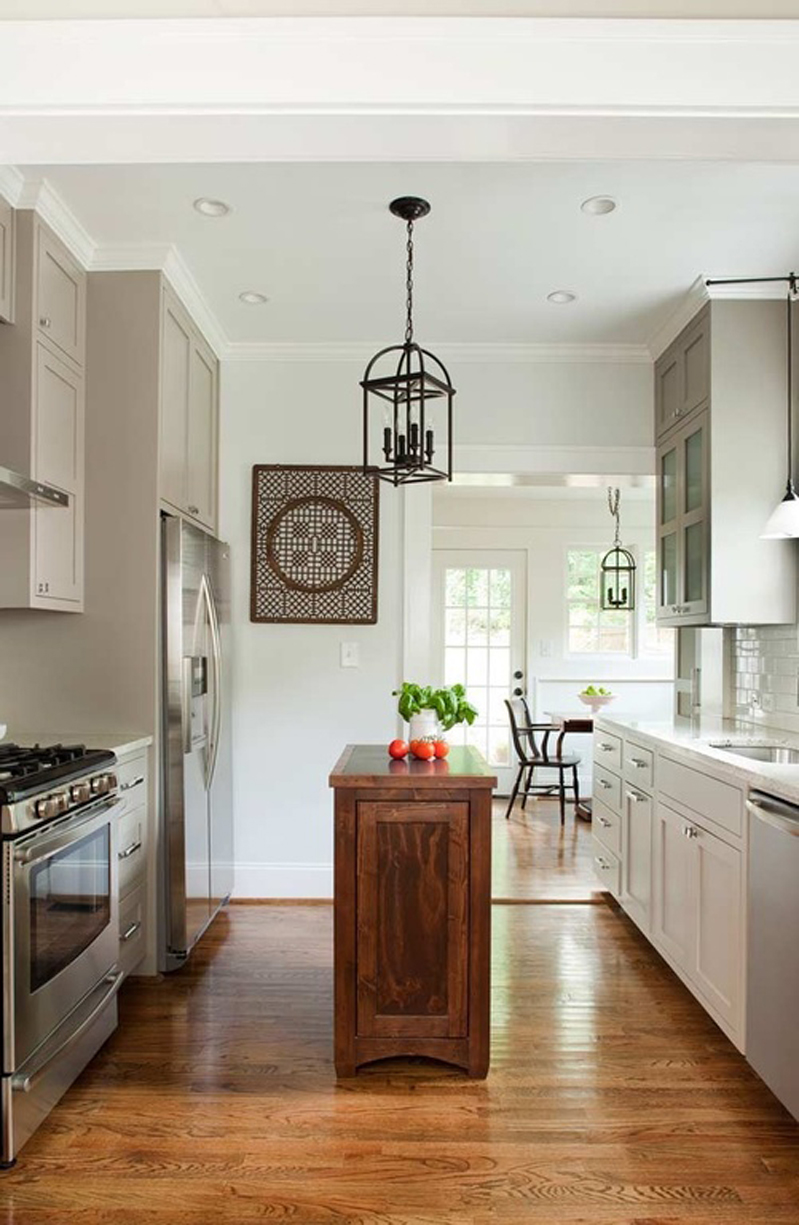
[(63, 835), (23, 1082)]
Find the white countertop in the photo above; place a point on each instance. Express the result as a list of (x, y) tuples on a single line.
[(120, 743), (687, 740)]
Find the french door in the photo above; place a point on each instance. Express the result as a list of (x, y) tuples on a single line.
[(479, 638)]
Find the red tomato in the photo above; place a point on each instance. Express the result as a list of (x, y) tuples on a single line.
[(412, 746), (398, 748), (441, 748), (424, 750)]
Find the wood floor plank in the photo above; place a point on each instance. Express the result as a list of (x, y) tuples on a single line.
[(612, 1099)]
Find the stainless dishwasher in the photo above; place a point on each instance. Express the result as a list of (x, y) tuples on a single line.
[(772, 1026)]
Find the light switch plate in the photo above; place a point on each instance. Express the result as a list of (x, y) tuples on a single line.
[(350, 655)]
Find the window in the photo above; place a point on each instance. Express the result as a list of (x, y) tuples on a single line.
[(593, 630)]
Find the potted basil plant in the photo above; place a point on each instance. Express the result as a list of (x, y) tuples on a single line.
[(430, 710)]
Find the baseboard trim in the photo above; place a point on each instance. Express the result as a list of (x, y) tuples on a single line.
[(283, 881), (281, 901)]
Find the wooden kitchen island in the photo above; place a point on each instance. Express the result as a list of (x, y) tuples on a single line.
[(412, 908)]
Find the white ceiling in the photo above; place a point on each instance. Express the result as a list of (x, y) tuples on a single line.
[(319, 241), (30, 10)]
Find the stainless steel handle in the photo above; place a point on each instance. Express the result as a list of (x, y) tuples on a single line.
[(636, 798), (193, 510), (63, 834), (604, 784), (187, 666), (45, 321), (606, 748), (23, 1083), (131, 932), (130, 850), (690, 831), (776, 815), (603, 821), (216, 660), (134, 782), (603, 863), (639, 763)]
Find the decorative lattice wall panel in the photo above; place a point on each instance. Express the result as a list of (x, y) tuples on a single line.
[(314, 545)]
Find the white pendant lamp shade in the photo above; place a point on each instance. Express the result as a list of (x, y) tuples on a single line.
[(784, 522)]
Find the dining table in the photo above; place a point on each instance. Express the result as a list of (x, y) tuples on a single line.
[(578, 721)]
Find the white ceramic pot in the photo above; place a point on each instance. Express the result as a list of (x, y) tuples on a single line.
[(424, 726)]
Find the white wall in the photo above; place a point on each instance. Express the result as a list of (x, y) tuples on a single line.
[(294, 706)]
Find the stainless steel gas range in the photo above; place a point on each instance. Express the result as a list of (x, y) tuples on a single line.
[(60, 934)]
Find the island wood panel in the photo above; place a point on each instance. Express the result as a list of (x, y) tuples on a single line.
[(413, 908)]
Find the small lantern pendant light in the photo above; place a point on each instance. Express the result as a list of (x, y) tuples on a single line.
[(412, 438), (617, 569)]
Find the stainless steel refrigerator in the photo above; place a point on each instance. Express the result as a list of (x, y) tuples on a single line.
[(196, 759)]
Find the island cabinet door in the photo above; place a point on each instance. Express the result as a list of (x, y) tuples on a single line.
[(413, 915)]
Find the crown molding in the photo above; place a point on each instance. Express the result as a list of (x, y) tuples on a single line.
[(37, 194), (457, 352), (670, 329), (11, 184)]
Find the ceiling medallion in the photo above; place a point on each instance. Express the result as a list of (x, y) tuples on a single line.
[(412, 397)]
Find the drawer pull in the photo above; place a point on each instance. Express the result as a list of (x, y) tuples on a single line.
[(602, 863), (134, 782), (131, 932), (45, 321), (635, 798), (193, 510), (639, 764), (607, 748), (130, 850), (605, 823), (604, 784), (690, 831)]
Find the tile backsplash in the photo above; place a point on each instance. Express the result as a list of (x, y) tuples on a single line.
[(764, 675)]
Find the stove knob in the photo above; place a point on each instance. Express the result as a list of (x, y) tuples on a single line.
[(103, 783), (80, 792), (45, 808), (52, 805)]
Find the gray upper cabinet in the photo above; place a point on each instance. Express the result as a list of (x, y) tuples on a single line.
[(42, 426), (6, 262), (720, 417), (682, 376), (189, 394)]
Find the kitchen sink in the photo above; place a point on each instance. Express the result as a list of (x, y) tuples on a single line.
[(778, 754)]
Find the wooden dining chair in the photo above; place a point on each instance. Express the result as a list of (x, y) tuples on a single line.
[(531, 757)]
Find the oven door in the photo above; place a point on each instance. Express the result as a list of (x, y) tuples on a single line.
[(64, 924)]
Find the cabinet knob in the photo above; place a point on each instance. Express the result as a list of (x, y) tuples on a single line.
[(691, 831), (193, 510), (517, 693), (45, 321), (518, 674)]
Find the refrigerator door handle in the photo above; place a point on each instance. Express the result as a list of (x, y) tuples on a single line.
[(216, 663), (186, 702)]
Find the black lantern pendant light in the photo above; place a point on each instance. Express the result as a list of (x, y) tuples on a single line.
[(399, 385), (617, 568)]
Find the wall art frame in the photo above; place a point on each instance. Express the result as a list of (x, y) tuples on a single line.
[(314, 545)]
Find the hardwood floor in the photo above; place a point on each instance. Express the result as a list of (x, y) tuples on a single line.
[(536, 859), (612, 1099)]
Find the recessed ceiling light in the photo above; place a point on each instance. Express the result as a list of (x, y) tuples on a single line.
[(211, 208), (561, 296), (251, 297), (598, 206)]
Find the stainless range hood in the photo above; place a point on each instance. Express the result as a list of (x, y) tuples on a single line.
[(18, 491)]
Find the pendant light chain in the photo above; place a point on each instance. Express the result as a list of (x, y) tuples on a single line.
[(614, 497), (409, 286), (791, 296)]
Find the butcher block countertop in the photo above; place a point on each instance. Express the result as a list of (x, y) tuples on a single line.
[(369, 765)]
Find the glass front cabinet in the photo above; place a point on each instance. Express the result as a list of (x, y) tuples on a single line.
[(683, 525)]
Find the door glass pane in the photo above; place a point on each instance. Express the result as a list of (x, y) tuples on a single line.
[(70, 904), (477, 628), (693, 471), (668, 569), (694, 562), (668, 482)]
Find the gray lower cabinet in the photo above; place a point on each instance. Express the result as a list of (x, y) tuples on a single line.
[(720, 421), (132, 845), (6, 262)]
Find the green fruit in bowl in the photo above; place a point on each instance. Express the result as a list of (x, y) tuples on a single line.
[(593, 692)]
